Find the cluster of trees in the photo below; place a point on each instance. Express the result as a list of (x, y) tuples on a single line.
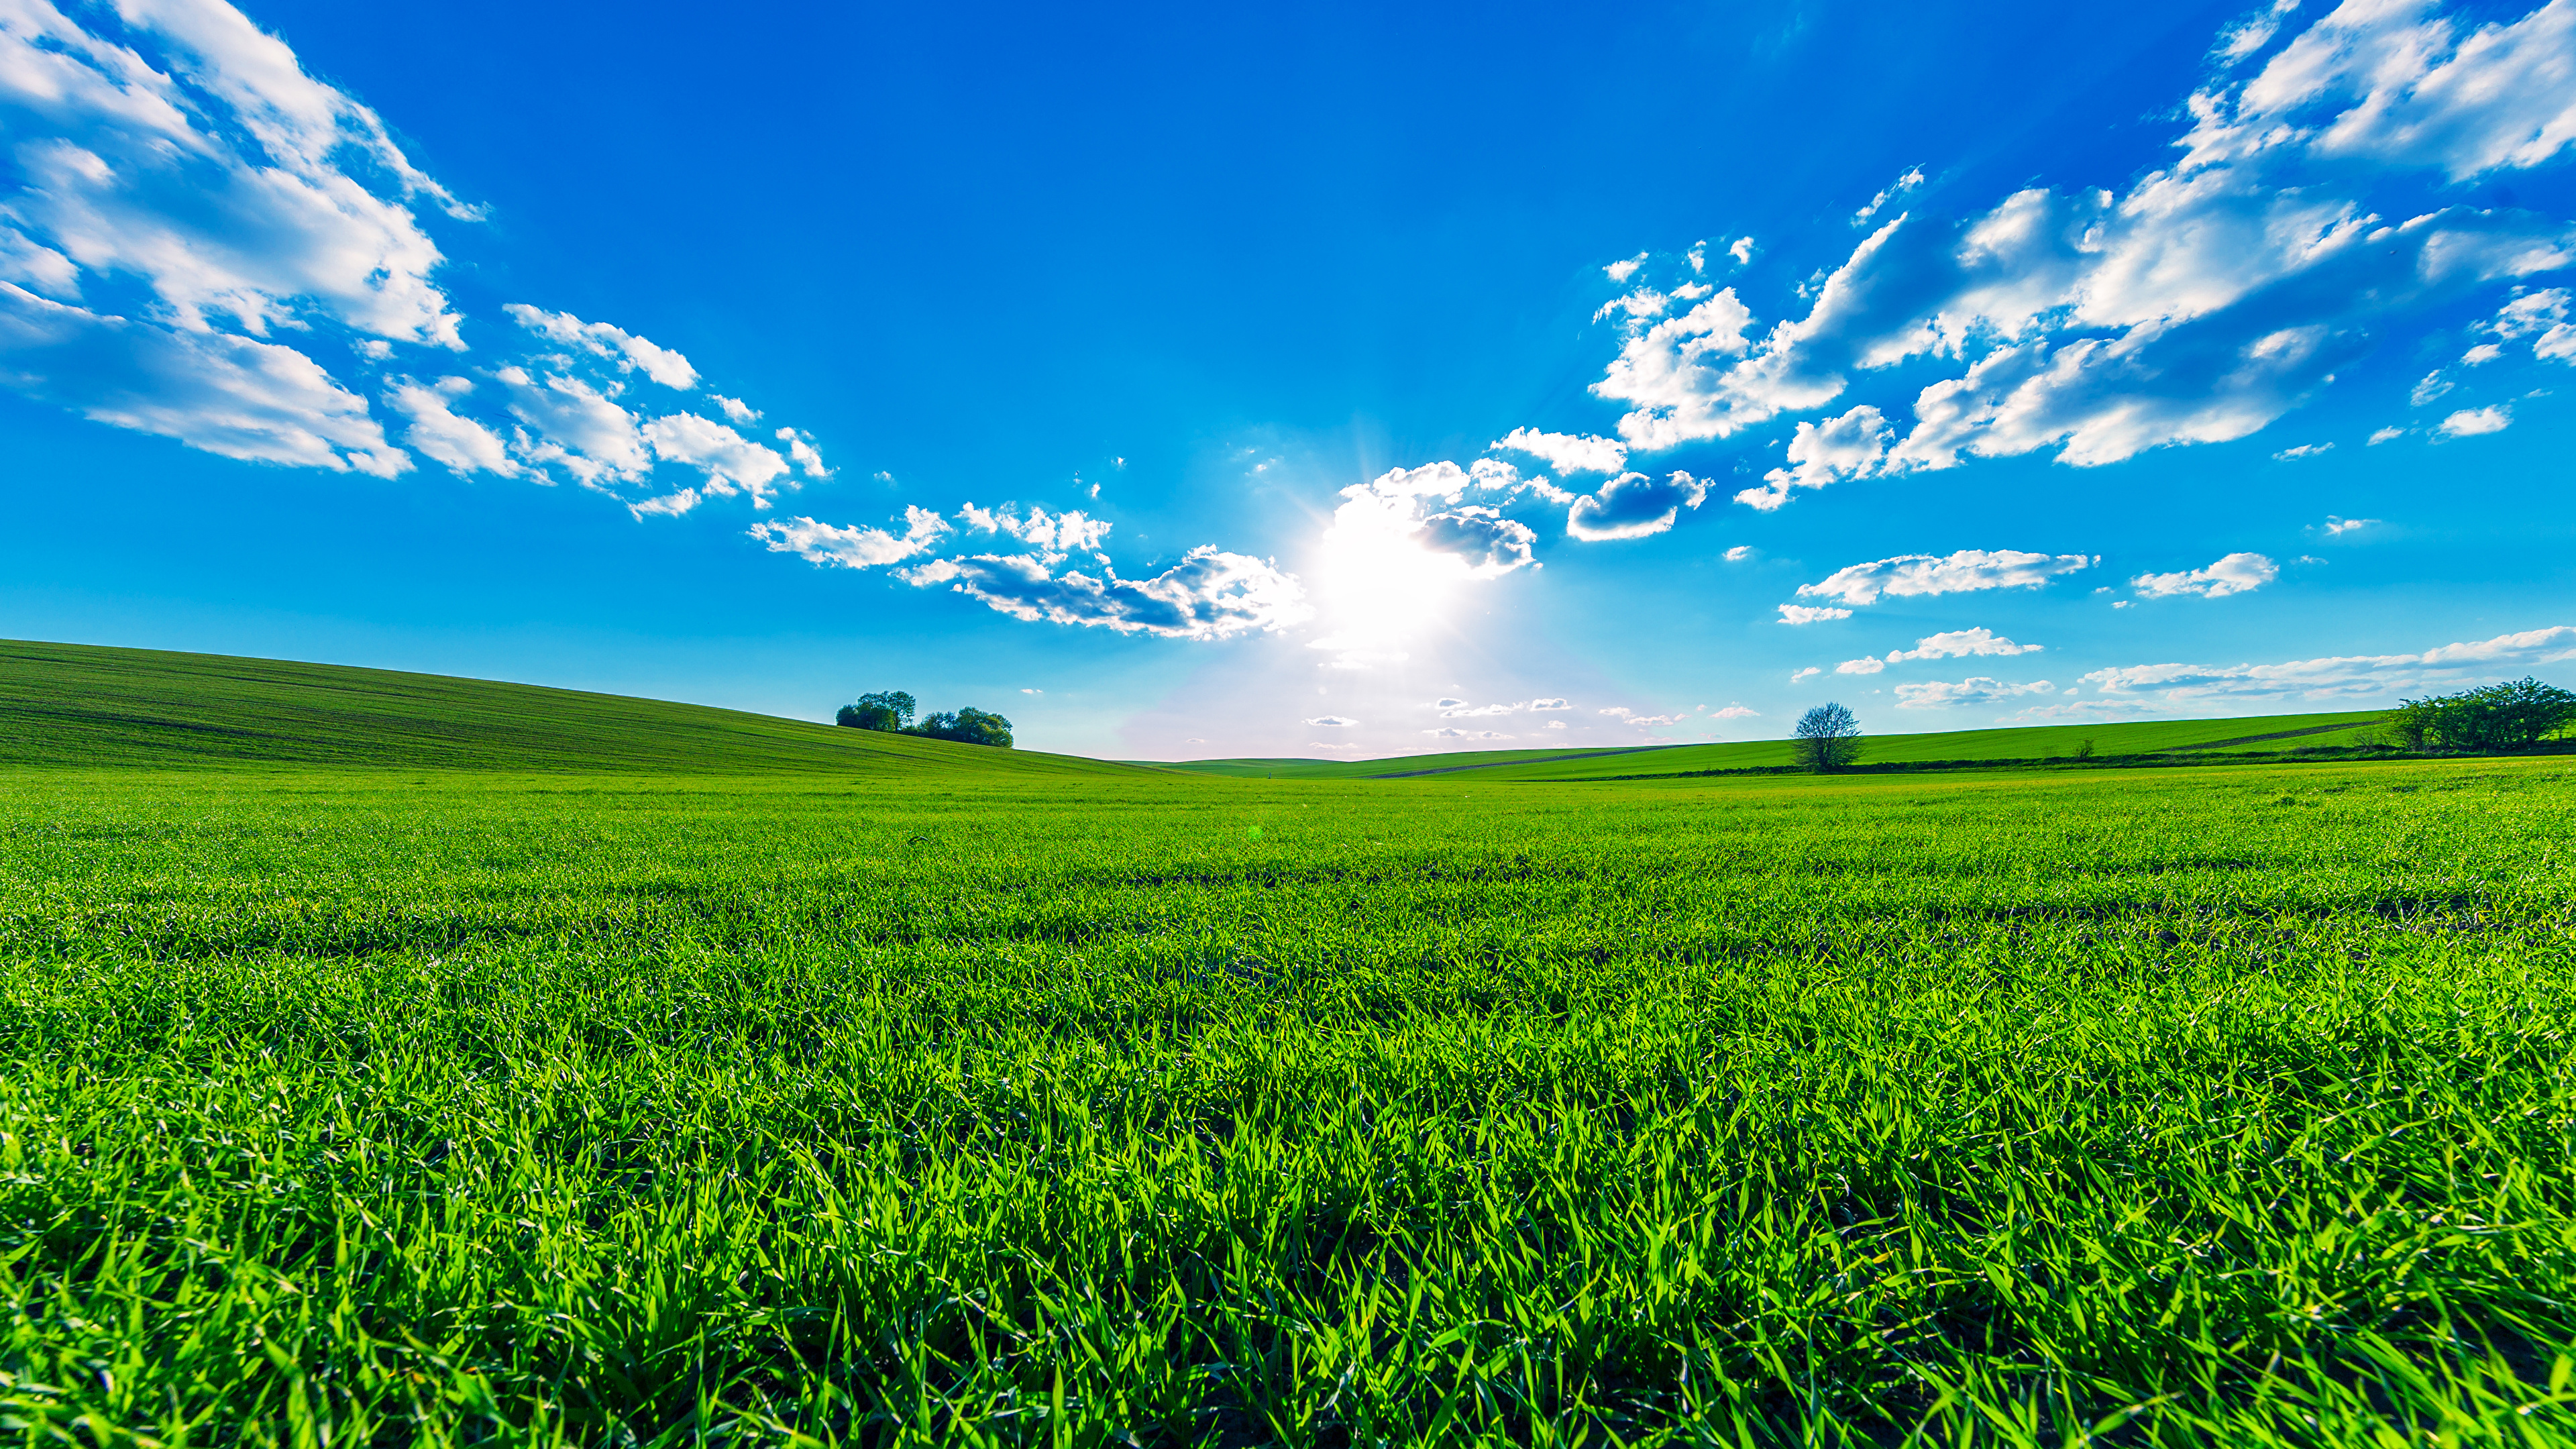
[(891, 710), (2512, 716)]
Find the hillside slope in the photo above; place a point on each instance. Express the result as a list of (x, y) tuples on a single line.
[(76, 705), (2262, 733)]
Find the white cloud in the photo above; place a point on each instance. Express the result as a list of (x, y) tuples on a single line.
[(577, 425), (1623, 270), (1445, 702), (1644, 302), (1489, 544), (1543, 705), (1459, 734), (2335, 527), (1209, 594), (1556, 724), (1735, 711), (731, 462), (1903, 184), (736, 410), (2386, 435), (1741, 249), (1809, 672), (801, 451), (1633, 505), (615, 344), (2433, 386), (1961, 644), (217, 175), (853, 548), (2471, 422), (1739, 553), (443, 436), (1866, 664), (2541, 316), (2346, 676), (1851, 446), (2303, 450), (1808, 614), (2399, 84), (235, 397), (1977, 689), (2482, 354), (1052, 534), (1333, 721), (2197, 305), (1926, 575), (2237, 573), (1565, 452)]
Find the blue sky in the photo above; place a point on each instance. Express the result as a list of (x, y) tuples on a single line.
[(1317, 381)]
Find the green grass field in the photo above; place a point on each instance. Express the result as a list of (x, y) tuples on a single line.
[(81, 706), (348, 1105)]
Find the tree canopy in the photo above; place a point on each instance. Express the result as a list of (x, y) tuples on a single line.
[(891, 710), (1828, 738), (2512, 716)]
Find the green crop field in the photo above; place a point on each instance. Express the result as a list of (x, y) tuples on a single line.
[(418, 1104)]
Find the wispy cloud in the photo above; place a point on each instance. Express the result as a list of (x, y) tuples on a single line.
[(2344, 676)]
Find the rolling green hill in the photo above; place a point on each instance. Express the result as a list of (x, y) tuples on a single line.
[(74, 705), (2260, 734)]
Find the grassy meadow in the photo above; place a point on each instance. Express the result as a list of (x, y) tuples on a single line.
[(435, 1106)]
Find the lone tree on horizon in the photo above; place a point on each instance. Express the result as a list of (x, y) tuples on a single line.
[(1828, 738)]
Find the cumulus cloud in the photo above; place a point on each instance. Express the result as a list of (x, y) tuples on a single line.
[(732, 462), (1621, 271), (1489, 544), (1565, 452), (1976, 689), (1453, 733), (1809, 614), (624, 349), (1209, 594), (2471, 422), (2344, 676), (1961, 644), (2335, 527), (1633, 505), (1549, 704), (1851, 446), (229, 185), (1925, 575), (2237, 573), (853, 548), (578, 427), (1333, 722), (461, 443), (2197, 305), (1051, 534), (1735, 711), (1866, 664), (235, 397), (801, 451), (1626, 715), (2542, 317)]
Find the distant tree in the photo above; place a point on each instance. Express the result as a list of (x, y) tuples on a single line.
[(2512, 716), (2084, 749), (886, 710), (1828, 738), (968, 726)]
